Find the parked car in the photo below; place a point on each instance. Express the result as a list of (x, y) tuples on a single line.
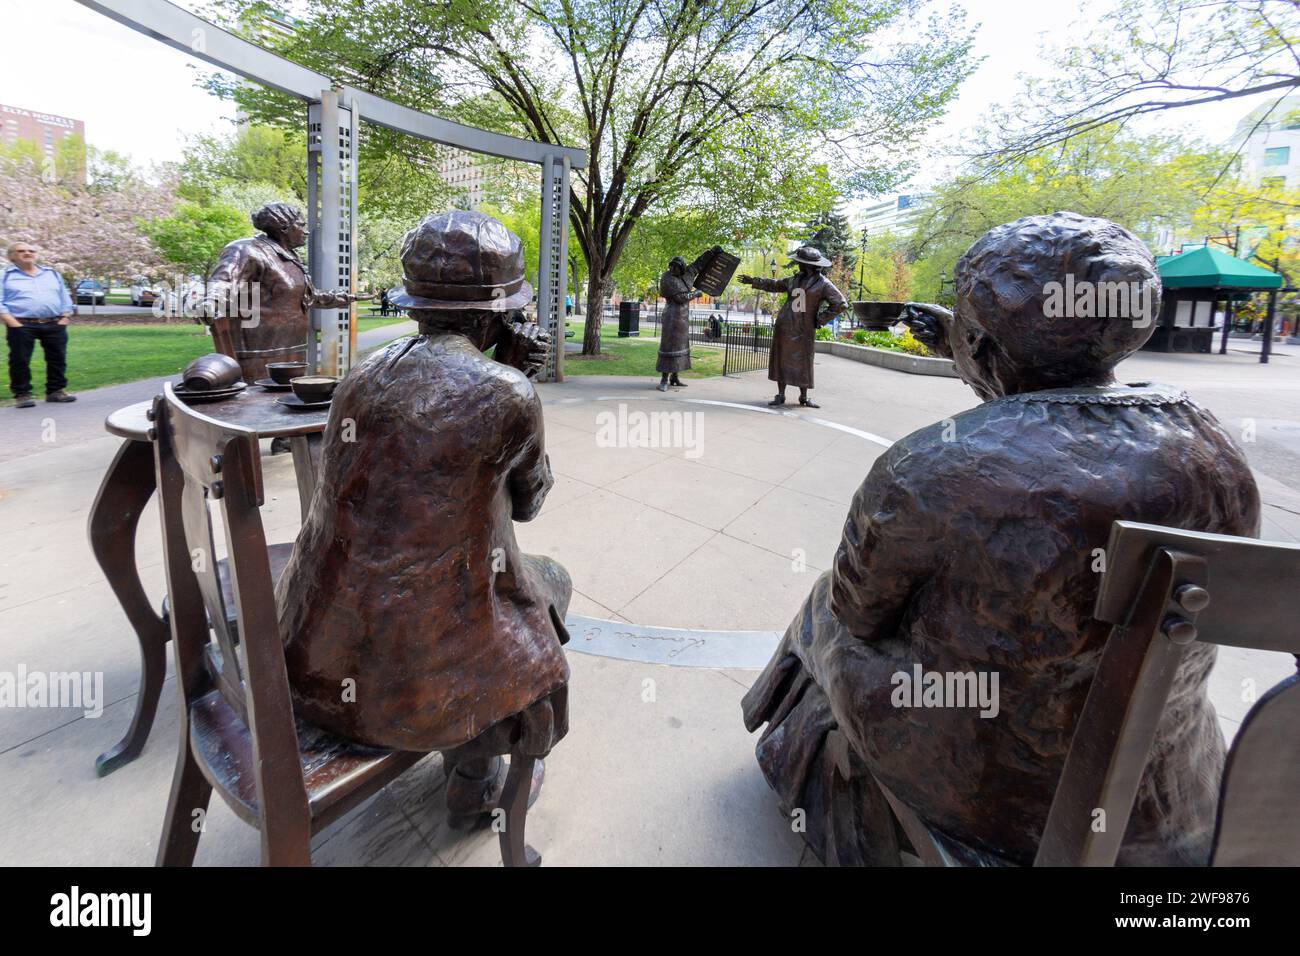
[(91, 292), (143, 293)]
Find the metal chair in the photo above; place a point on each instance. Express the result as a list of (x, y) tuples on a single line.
[(1162, 589), (239, 733)]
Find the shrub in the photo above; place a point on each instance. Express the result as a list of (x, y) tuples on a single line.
[(906, 342), (823, 334)]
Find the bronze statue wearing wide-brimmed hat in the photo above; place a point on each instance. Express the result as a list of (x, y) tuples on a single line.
[(278, 330), (811, 300), (407, 578)]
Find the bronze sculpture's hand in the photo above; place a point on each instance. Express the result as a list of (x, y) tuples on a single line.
[(929, 324), (524, 346), (358, 297), (745, 280)]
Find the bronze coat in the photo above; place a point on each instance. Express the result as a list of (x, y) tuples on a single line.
[(976, 554), (674, 322), (791, 357), (285, 295), (406, 577)]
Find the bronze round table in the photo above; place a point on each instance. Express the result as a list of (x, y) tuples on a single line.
[(127, 487)]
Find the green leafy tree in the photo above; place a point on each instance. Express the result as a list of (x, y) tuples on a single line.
[(193, 236), (756, 113), (1148, 184), (256, 156)]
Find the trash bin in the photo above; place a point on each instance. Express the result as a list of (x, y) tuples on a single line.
[(629, 320)]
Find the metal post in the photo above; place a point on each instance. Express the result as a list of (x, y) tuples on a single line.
[(1228, 315), (552, 261), (331, 127), (313, 225), (1267, 346)]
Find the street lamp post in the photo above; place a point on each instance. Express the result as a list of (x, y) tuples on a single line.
[(862, 266)]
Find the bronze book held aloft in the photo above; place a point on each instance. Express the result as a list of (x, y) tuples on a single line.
[(716, 271)]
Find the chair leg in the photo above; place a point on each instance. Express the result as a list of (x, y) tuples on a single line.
[(514, 800), (281, 849), (181, 826)]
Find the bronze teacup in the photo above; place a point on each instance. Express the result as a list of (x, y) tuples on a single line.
[(314, 388), (283, 372)]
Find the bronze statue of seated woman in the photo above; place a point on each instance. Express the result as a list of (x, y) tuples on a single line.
[(970, 552), (412, 620)]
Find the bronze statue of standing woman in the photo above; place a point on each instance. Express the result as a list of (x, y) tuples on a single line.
[(676, 285), (279, 323), (790, 360)]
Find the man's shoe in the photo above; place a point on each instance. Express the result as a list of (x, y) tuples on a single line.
[(677, 383), (808, 403), (24, 401), (60, 396), (662, 386), (779, 400)]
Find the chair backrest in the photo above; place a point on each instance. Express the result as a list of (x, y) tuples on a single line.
[(1161, 589), (199, 461)]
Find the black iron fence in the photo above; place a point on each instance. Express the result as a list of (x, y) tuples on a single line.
[(745, 341), (748, 346)]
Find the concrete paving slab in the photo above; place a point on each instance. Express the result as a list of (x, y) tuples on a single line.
[(613, 546), (688, 490), (724, 585), (794, 526)]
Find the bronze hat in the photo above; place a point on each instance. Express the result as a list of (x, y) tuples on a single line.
[(809, 256), (462, 260)]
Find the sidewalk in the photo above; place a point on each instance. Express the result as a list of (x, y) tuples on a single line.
[(725, 534)]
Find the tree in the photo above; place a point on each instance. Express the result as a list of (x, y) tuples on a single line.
[(256, 156), (830, 232), (1265, 216), (1157, 56), (752, 111), (82, 209), (1148, 184), (193, 236)]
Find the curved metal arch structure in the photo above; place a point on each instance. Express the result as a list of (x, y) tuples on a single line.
[(333, 114)]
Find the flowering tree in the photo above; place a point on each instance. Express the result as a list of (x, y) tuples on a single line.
[(85, 225)]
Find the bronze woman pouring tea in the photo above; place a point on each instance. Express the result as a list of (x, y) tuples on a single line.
[(264, 279)]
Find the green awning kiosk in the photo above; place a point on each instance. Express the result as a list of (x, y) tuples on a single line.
[(1195, 282)]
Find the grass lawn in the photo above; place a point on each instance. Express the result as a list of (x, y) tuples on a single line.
[(635, 357), (110, 354)]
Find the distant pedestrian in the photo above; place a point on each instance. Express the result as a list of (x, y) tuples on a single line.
[(383, 302), (35, 306)]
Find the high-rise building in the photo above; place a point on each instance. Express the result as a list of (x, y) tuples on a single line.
[(43, 129), (465, 173), (1271, 152), (893, 215)]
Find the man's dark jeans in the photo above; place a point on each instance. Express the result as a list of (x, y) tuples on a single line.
[(22, 342)]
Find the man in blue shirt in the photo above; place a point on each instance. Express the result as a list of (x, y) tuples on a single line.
[(35, 307)]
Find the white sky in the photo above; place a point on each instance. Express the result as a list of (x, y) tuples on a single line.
[(138, 96)]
